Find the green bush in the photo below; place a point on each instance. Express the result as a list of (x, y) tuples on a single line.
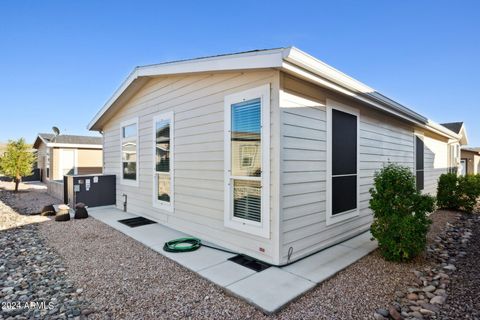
[(458, 193), (400, 223), (468, 191), (447, 191)]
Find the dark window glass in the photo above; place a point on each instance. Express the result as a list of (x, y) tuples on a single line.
[(162, 162), (344, 143), (344, 194), (130, 170), (344, 162), (419, 150)]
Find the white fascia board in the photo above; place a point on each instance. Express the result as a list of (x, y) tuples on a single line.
[(72, 145), (251, 60), (290, 68), (308, 62), (244, 61), (354, 87), (125, 84)]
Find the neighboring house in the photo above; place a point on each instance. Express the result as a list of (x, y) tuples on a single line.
[(269, 153), (67, 154), (470, 161)]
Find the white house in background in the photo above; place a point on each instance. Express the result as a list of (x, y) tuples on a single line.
[(269, 153), (66, 154)]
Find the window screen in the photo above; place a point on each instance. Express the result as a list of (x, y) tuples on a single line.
[(344, 162), (419, 163), (246, 159)]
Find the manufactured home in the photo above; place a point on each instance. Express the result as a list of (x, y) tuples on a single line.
[(59, 155), (269, 153)]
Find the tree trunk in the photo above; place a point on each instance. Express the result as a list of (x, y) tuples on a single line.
[(17, 182)]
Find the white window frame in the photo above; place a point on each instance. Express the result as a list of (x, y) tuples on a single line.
[(339, 217), (169, 206), (129, 182), (421, 135), (261, 228)]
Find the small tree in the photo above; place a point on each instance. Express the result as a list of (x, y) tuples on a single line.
[(400, 223), (17, 161)]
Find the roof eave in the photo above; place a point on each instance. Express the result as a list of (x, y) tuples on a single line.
[(302, 63), (245, 61)]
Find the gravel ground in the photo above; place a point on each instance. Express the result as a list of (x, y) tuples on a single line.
[(141, 283), (463, 292), (30, 198), (33, 280), (122, 279)]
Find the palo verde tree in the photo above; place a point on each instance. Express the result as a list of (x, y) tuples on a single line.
[(17, 161)]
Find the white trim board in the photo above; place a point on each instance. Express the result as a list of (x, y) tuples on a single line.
[(129, 182), (263, 228), (330, 218), (168, 206)]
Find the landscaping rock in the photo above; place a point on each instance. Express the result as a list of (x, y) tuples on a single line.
[(394, 313), (438, 300), (48, 210), (62, 217)]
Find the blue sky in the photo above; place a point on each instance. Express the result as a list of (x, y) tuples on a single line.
[(61, 60)]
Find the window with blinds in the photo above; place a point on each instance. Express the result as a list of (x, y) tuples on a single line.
[(246, 159), (163, 178)]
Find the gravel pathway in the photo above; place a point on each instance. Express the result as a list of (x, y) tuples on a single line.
[(33, 280), (463, 292)]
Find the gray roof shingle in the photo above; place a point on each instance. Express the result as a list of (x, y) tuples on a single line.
[(453, 126), (70, 139)]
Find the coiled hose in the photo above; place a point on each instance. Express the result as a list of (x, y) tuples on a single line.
[(182, 245)]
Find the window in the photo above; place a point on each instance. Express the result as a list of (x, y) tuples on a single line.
[(342, 162), (247, 131), (47, 163), (163, 161), (129, 147), (419, 163)]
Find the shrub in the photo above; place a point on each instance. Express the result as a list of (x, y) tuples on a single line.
[(447, 191), (400, 223), (458, 193), (468, 191)]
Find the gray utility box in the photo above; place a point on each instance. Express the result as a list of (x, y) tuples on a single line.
[(94, 190)]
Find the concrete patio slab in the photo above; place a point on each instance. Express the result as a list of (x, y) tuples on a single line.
[(322, 265), (196, 260), (271, 288), (226, 273)]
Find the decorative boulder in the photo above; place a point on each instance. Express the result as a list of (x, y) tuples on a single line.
[(80, 211), (63, 213), (48, 210), (62, 217)]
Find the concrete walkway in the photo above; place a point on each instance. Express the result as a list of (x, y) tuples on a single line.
[(270, 289)]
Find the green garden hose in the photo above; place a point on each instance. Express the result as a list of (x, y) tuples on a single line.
[(182, 245)]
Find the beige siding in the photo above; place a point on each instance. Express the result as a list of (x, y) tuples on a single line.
[(303, 134), (435, 161), (54, 163), (198, 105), (89, 161)]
